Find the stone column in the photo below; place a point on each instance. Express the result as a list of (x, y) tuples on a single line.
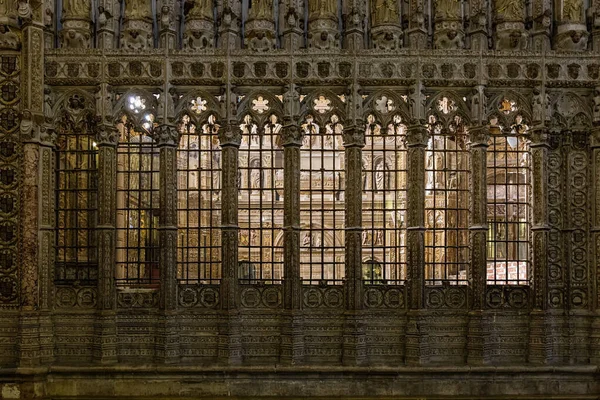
[(105, 341), (479, 136), (416, 139), (76, 30), (230, 349), (354, 346), (35, 325), (168, 138), (292, 347), (540, 228), (595, 234)]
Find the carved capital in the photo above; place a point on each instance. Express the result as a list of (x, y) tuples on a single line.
[(479, 135), (230, 135), (354, 135), (417, 135), (539, 136), (107, 135), (292, 134), (166, 135)]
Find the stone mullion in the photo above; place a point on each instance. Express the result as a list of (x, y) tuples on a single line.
[(479, 143), (230, 331), (292, 350), (354, 348), (105, 342), (167, 143), (595, 233), (540, 229), (415, 241)]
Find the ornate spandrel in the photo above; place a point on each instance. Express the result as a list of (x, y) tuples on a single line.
[(199, 31), (571, 31)]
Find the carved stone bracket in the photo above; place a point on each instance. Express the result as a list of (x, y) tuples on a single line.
[(166, 135), (107, 135)]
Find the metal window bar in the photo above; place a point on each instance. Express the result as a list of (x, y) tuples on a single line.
[(138, 208), (508, 210), (447, 194), (260, 202), (322, 205), (384, 179), (199, 203), (76, 205)]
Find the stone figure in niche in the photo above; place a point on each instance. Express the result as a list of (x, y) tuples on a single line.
[(261, 9), (510, 10), (138, 9), (379, 237), (103, 16), (385, 12), (322, 8), (573, 11), (165, 17), (201, 9), (447, 9), (306, 241), (77, 8), (255, 178), (135, 40), (380, 176), (452, 180), (597, 106), (365, 237), (364, 175), (318, 241)]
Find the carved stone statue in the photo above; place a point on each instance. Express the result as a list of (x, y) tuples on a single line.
[(261, 9), (74, 39), (201, 9), (447, 9), (138, 9), (322, 8), (510, 10), (385, 12), (77, 8), (573, 10)]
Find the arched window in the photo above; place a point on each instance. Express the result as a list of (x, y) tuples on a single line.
[(447, 196), (508, 197), (76, 195), (322, 182), (138, 205), (199, 199), (260, 196), (384, 199)]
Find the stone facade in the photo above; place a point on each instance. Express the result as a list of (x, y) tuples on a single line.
[(64, 332)]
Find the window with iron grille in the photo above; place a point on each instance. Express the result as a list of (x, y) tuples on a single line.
[(199, 202), (322, 182), (260, 201), (384, 202), (76, 202), (138, 206), (447, 202), (508, 208)]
